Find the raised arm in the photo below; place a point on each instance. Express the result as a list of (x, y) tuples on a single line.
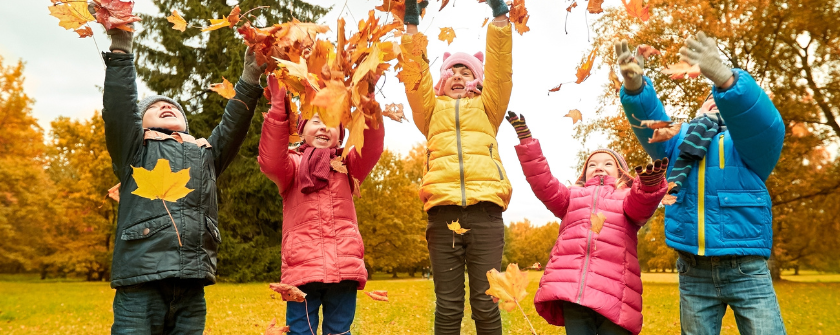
[(647, 191), (274, 158), (360, 166), (421, 98), (227, 137), (498, 72)]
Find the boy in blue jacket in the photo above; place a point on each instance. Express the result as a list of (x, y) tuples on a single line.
[(720, 222)]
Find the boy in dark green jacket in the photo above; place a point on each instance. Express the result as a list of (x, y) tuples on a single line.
[(159, 274)]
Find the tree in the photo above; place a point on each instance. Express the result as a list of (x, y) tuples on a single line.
[(789, 48), (391, 216), (80, 167), (654, 254), (526, 244), (182, 65)]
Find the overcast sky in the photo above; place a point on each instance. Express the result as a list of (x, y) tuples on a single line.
[(63, 71)]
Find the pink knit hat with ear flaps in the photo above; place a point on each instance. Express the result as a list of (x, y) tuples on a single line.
[(475, 63)]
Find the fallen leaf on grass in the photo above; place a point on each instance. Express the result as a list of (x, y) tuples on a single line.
[(178, 22), (273, 329), (288, 292), (575, 115), (378, 295), (681, 70), (508, 287), (597, 221), (225, 89), (447, 34)]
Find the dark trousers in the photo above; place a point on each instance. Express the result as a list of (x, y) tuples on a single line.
[(582, 320), (169, 306), (479, 249), (339, 301)]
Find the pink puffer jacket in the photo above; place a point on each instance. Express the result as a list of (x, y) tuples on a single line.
[(321, 239), (599, 271)]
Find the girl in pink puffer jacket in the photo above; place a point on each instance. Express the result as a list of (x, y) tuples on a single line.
[(592, 283)]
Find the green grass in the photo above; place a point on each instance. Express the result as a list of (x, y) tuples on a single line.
[(28, 306)]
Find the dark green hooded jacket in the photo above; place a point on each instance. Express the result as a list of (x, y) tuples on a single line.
[(146, 247)]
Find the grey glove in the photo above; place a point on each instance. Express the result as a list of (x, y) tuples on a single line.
[(120, 39), (703, 51), (252, 72), (630, 65)]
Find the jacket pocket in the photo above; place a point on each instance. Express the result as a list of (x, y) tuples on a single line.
[(147, 228), (681, 213), (501, 176), (745, 215), (213, 229)]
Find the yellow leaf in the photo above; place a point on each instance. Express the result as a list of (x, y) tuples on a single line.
[(217, 24), (597, 221), (447, 34), (369, 64), (161, 182), (394, 112), (356, 138), (575, 115), (456, 227), (509, 287), (585, 68), (300, 70), (334, 101), (71, 15), (225, 89), (178, 22)]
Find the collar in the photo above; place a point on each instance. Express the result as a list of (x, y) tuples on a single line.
[(180, 137), (601, 180)]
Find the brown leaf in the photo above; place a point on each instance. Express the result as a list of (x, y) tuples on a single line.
[(447, 34), (555, 89), (575, 115), (378, 295), (233, 17), (681, 70), (273, 329), (597, 221), (288, 292), (585, 68), (594, 6), (485, 22), (225, 89), (84, 32), (646, 51), (635, 9), (573, 5), (394, 112), (443, 4), (519, 16), (337, 164), (666, 133)]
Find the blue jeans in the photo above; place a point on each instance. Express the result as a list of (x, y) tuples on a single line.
[(169, 306), (709, 284), (339, 301), (582, 320)]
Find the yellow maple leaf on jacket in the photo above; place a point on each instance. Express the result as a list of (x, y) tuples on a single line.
[(161, 182), (71, 15), (508, 287)]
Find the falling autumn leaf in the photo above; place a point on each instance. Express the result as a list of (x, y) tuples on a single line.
[(555, 89), (334, 100), (669, 199), (288, 292), (681, 70), (635, 9), (114, 192), (594, 6), (356, 137), (443, 4), (161, 183), (614, 82), (71, 15), (225, 89), (485, 22), (455, 226), (519, 16), (573, 5), (84, 32), (178, 22), (394, 112), (378, 295), (116, 14), (274, 329), (666, 133), (233, 17), (447, 34), (575, 115), (597, 221), (647, 51), (585, 68), (217, 24), (508, 287), (338, 165)]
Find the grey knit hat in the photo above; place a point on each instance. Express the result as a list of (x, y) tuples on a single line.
[(147, 102)]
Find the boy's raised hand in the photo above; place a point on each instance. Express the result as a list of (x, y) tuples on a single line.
[(703, 51), (499, 7), (252, 71), (632, 80), (413, 10), (518, 123), (654, 174), (278, 99)]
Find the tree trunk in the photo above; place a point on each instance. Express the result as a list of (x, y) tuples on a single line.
[(775, 271), (43, 272), (796, 270), (394, 273)]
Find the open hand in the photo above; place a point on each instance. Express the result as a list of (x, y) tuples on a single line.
[(518, 123), (630, 65), (703, 51), (278, 98), (654, 174)]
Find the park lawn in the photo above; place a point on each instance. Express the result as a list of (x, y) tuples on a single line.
[(32, 307)]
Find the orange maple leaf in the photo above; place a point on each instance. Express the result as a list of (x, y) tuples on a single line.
[(575, 115), (585, 68), (116, 14), (394, 112), (681, 70), (178, 22), (334, 102), (594, 6), (447, 34), (519, 16), (288, 292), (573, 5), (356, 138), (485, 22), (233, 17), (635, 9), (84, 32), (225, 89), (378, 295), (614, 82)]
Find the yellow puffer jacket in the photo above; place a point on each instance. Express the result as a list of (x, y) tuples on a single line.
[(463, 166)]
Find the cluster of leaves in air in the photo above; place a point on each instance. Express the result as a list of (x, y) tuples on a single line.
[(72, 15)]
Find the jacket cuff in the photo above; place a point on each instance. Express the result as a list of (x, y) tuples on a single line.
[(736, 74), (118, 59), (248, 91), (637, 91)]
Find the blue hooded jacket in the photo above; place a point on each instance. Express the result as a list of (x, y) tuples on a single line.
[(723, 208)]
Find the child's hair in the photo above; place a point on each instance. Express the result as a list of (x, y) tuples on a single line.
[(624, 179)]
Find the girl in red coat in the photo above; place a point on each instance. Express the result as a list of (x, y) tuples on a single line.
[(592, 283), (322, 248)]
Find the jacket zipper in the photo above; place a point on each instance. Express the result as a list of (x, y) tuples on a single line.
[(428, 156), (721, 156), (701, 208), (460, 151), (589, 240), (501, 177)]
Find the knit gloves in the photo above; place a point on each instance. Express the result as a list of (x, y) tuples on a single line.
[(654, 174), (499, 7), (252, 71), (518, 123), (413, 10), (278, 99), (703, 51), (632, 78), (120, 39)]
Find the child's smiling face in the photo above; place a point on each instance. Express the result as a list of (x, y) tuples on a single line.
[(601, 164), (316, 134), (456, 86), (164, 115)]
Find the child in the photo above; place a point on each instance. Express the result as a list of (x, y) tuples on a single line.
[(721, 219), (592, 283), (322, 249), (159, 282), (464, 178)]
